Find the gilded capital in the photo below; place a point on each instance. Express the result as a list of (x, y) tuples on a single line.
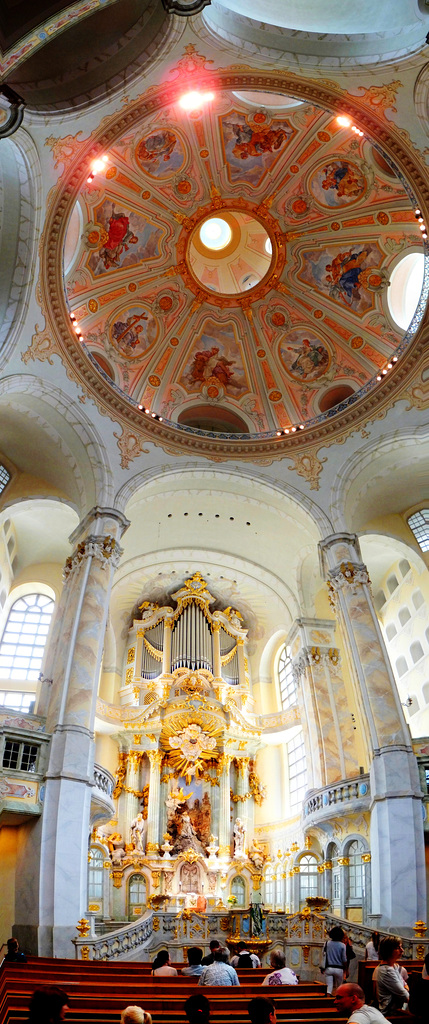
[(155, 758)]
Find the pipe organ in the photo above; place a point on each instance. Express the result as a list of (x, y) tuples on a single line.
[(189, 636), (191, 642)]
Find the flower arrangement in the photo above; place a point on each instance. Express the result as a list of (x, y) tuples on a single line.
[(232, 900)]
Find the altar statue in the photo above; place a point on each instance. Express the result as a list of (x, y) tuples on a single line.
[(239, 837), (137, 830), (257, 855), (187, 839)]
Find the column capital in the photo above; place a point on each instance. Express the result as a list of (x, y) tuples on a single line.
[(155, 758), (104, 549), (337, 548)]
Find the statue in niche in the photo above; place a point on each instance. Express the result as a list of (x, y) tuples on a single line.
[(200, 815), (137, 830), (239, 837)]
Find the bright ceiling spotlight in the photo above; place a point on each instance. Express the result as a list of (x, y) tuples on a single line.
[(344, 121), (140, 407), (99, 164), (195, 100), (268, 247), (215, 233)]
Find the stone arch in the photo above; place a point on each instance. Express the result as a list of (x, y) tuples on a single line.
[(21, 190), (82, 472)]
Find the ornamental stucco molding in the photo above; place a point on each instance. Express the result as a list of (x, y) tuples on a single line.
[(104, 550)]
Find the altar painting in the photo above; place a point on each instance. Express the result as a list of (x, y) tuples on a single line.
[(120, 238), (160, 154), (304, 355), (215, 359), (348, 276), (252, 148), (338, 183)]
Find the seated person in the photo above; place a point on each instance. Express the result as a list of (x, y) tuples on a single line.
[(208, 959), (219, 972), (244, 958), (48, 1004), (195, 956), (350, 999), (392, 992), (161, 967), (262, 1010), (281, 975), (197, 1009), (13, 955), (135, 1015)]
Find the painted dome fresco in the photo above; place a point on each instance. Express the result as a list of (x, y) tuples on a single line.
[(227, 268)]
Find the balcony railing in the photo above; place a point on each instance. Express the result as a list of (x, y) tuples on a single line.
[(351, 794), (103, 780)]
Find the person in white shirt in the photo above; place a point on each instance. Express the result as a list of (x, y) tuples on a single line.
[(372, 947), (281, 975), (161, 967), (350, 999)]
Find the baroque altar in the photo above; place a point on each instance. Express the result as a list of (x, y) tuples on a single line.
[(187, 781)]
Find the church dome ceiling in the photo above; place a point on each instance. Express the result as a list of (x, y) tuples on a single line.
[(282, 323)]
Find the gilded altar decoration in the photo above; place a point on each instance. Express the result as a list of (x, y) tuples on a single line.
[(82, 927), (258, 791)]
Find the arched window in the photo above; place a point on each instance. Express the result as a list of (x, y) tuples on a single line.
[(238, 889), (136, 896), (401, 666), (404, 615), (4, 477), (297, 770), (416, 651), (24, 637), (417, 599), (95, 874), (404, 566), (392, 583), (286, 678), (269, 891), (308, 878), (390, 630), (419, 524), (354, 853), (379, 600), (425, 692)]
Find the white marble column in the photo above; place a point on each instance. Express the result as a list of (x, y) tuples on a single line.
[(242, 790), (224, 808), (327, 722), (53, 865), (398, 868), (132, 788), (153, 812)]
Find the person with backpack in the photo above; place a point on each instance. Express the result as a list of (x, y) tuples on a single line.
[(243, 958)]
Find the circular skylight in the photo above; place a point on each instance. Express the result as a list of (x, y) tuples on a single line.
[(405, 287), (215, 233)]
